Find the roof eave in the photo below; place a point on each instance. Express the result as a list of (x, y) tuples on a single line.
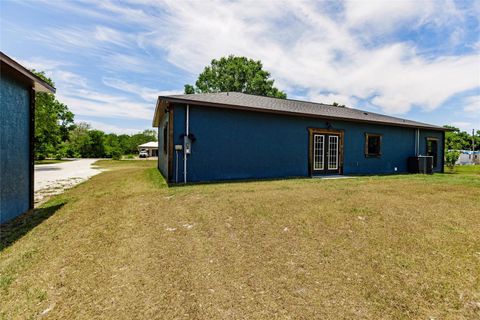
[(222, 105), (160, 110), (37, 83)]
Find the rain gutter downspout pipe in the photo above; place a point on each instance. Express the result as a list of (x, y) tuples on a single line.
[(185, 151), (417, 142)]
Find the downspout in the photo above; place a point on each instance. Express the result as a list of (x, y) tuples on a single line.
[(187, 132), (443, 152), (417, 142)]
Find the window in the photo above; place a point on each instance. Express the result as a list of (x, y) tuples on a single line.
[(165, 138), (373, 144)]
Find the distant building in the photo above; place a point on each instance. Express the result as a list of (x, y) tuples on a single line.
[(468, 157), (150, 147), (17, 116), (231, 135)]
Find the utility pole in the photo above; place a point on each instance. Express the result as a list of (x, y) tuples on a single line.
[(474, 156), (473, 140)]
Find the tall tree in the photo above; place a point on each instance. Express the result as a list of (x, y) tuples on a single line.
[(53, 121), (78, 138), (139, 138), (460, 140), (238, 74)]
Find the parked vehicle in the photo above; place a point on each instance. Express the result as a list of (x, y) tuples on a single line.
[(143, 154)]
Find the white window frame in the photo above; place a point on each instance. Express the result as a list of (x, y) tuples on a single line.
[(315, 149), (330, 138)]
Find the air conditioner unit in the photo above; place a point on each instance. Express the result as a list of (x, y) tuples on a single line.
[(420, 164)]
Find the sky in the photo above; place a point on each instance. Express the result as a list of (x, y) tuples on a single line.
[(110, 60)]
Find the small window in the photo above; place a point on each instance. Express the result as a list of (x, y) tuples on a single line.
[(165, 138), (373, 144)]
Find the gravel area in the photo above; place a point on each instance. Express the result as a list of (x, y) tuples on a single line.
[(52, 179)]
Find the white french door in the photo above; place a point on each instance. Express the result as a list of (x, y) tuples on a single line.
[(325, 153), (318, 152), (332, 152)]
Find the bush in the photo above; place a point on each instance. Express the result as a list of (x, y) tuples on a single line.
[(116, 155), (451, 158)]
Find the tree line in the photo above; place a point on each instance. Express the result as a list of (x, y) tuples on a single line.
[(461, 140), (58, 136)]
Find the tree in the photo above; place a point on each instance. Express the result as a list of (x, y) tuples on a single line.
[(112, 146), (460, 140), (238, 74), (336, 104), (78, 138), (135, 140), (53, 121), (95, 147)]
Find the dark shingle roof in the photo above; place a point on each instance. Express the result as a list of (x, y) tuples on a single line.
[(238, 100)]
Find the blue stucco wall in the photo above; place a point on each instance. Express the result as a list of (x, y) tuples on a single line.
[(14, 148), (233, 144), (162, 156)]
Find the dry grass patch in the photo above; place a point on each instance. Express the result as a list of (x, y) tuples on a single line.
[(123, 246)]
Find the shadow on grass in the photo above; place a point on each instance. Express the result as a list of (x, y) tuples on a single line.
[(235, 181), (12, 231)]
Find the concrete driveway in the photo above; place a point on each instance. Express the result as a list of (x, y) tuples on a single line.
[(52, 179)]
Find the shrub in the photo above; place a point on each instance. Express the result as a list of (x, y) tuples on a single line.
[(116, 154), (451, 156)]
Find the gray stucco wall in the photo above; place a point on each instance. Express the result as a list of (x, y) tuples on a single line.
[(14, 148)]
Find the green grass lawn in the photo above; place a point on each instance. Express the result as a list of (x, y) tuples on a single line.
[(125, 246), (464, 169)]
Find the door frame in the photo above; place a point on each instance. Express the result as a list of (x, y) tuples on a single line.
[(311, 132), (436, 158)]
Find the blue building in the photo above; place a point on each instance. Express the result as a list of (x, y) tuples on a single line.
[(17, 103), (224, 136)]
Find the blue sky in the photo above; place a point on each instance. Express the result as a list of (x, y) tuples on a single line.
[(111, 59)]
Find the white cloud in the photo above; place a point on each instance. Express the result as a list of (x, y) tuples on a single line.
[(85, 100), (109, 128), (104, 34), (463, 125), (42, 64), (330, 98), (472, 106), (328, 56), (125, 62), (92, 103), (376, 14), (307, 49), (147, 94)]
